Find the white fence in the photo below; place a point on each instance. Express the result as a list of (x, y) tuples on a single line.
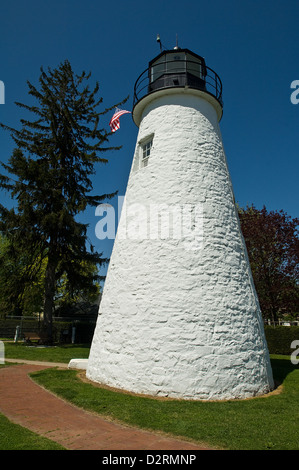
[(282, 323)]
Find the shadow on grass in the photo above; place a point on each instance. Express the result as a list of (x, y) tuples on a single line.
[(282, 368)]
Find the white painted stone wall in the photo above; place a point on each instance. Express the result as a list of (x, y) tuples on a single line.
[(179, 317)]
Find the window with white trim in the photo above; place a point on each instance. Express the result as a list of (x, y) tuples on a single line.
[(143, 152), (146, 151)]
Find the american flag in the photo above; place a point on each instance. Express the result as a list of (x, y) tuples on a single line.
[(114, 123)]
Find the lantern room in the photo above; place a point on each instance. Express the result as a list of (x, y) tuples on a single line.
[(178, 67)]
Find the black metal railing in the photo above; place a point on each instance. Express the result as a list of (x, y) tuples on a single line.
[(173, 74)]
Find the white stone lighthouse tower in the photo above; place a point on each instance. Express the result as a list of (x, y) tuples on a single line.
[(179, 315)]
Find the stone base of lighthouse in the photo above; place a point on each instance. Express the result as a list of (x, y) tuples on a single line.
[(179, 315)]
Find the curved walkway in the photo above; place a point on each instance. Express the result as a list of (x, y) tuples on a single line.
[(26, 403)]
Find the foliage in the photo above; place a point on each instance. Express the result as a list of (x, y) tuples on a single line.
[(51, 169), (69, 292), (272, 241), (21, 279), (280, 338)]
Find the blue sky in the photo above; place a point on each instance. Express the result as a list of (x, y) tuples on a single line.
[(252, 45)]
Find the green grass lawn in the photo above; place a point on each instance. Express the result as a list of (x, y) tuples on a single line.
[(15, 437), (61, 353), (256, 424), (261, 423)]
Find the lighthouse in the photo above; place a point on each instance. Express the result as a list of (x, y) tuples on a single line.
[(179, 315)]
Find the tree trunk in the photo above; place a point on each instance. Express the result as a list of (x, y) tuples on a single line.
[(49, 298)]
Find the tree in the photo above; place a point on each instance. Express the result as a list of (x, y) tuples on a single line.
[(52, 164), (72, 293), (272, 243), (21, 277)]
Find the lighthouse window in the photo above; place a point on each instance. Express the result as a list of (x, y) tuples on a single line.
[(176, 63), (146, 150), (168, 63), (143, 152), (158, 68), (194, 66)]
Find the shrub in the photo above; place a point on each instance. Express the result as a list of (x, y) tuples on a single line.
[(280, 338)]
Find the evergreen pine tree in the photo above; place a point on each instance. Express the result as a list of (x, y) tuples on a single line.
[(51, 170), (21, 279)]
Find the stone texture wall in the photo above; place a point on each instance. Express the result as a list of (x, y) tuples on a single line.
[(179, 315)]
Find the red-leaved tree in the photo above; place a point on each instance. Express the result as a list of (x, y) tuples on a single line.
[(272, 241)]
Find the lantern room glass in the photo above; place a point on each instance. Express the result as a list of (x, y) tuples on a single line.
[(176, 63)]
